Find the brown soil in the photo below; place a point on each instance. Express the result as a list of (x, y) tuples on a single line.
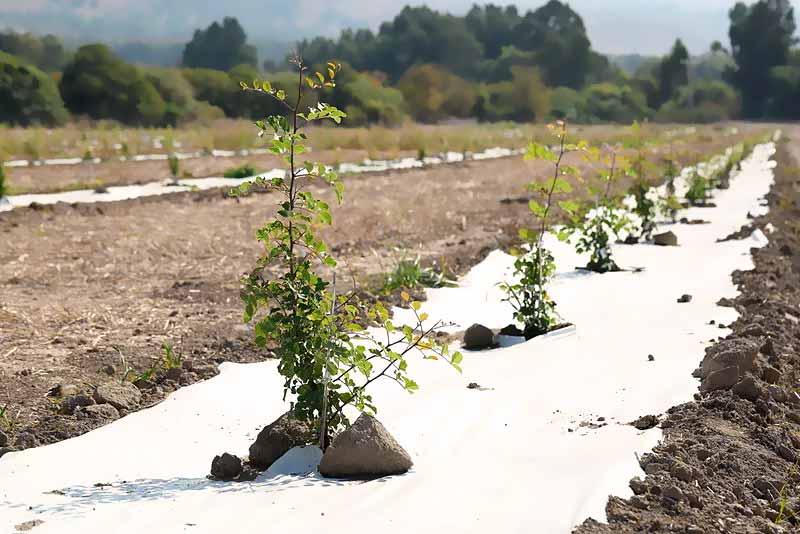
[(726, 463), (88, 290)]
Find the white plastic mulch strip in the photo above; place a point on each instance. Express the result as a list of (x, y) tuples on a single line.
[(512, 457), (116, 193)]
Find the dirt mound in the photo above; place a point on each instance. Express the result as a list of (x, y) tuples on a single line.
[(729, 460)]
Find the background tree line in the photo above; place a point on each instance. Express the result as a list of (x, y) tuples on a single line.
[(494, 63)]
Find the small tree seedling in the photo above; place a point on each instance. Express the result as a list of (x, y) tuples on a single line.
[(327, 359)]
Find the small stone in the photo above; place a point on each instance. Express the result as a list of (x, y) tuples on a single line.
[(73, 402), (748, 389), (737, 352), (651, 358), (681, 471), (478, 337), (703, 454), (771, 374), (673, 492), (786, 453), (98, 411), (685, 298), (722, 379), (638, 486), (26, 440), (109, 369), (28, 525), (173, 373), (666, 239), (777, 393), (120, 396), (187, 364), (277, 438), (226, 467), (365, 450)]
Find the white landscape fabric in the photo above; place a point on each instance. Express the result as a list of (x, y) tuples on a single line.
[(501, 459)]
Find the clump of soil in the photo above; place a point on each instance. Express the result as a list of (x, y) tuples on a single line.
[(729, 460)]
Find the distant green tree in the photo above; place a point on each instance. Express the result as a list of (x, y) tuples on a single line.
[(433, 93), (558, 36), (220, 47), (523, 98), (701, 101), (46, 52), (673, 71), (176, 92), (761, 36), (99, 84), (493, 26), (28, 95)]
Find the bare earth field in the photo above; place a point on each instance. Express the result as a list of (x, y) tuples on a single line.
[(728, 461), (89, 290)]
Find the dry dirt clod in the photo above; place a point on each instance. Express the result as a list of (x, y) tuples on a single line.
[(366, 450), (98, 411), (478, 337), (226, 467), (748, 389), (666, 239), (121, 396), (73, 402), (277, 438)]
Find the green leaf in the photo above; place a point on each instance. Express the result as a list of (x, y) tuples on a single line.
[(536, 208)]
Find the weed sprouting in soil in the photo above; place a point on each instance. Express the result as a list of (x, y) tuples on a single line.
[(174, 166), (242, 171), (411, 274), (3, 187), (327, 359)]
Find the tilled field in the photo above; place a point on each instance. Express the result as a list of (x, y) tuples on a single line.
[(91, 290), (729, 460)]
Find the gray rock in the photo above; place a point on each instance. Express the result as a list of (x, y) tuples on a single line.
[(120, 396), (26, 440), (777, 393), (667, 239), (645, 422), (638, 486), (226, 467), (681, 471), (73, 402), (3, 439), (98, 411), (478, 337), (748, 389), (365, 450), (277, 438), (771, 374), (722, 379), (673, 492), (737, 352)]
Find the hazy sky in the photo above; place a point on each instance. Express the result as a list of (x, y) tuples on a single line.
[(614, 26)]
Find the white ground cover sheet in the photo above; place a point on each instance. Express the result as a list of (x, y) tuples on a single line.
[(495, 460), (124, 192)]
